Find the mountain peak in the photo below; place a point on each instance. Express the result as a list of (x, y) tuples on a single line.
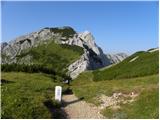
[(92, 58)]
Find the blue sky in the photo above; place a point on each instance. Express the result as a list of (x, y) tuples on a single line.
[(117, 26)]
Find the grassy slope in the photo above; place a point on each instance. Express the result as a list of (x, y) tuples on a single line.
[(146, 86), (145, 64), (139, 76), (23, 95), (145, 107), (53, 55)]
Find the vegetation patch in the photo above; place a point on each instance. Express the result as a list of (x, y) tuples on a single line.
[(65, 32), (50, 58), (146, 106), (25, 94), (92, 90), (146, 64)]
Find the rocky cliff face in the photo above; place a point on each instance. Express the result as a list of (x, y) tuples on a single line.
[(92, 58), (116, 58)]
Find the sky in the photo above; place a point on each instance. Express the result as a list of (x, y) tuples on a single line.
[(116, 26)]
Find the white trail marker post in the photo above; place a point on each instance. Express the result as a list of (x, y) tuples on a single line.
[(58, 93)]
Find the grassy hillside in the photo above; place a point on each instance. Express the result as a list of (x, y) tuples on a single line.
[(145, 105), (48, 58), (134, 74), (24, 95), (146, 63), (31, 94), (53, 55)]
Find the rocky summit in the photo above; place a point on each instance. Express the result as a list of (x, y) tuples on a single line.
[(92, 58)]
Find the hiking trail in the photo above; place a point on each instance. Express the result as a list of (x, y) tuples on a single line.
[(77, 108)]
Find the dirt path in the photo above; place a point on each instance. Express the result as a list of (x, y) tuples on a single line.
[(77, 108)]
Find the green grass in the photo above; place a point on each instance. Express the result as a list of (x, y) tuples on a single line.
[(139, 76), (53, 55), (23, 95), (85, 87), (146, 64), (50, 58), (65, 32), (146, 106)]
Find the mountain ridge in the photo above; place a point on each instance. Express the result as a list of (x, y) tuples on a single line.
[(92, 58)]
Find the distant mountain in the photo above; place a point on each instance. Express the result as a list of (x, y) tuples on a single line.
[(116, 58), (24, 50)]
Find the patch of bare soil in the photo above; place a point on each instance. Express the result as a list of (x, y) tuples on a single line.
[(114, 100), (79, 109)]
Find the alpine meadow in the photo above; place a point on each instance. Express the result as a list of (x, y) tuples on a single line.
[(79, 60)]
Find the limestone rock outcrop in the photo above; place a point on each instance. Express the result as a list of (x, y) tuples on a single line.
[(116, 58)]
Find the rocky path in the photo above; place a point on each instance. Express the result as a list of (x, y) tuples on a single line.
[(77, 108)]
